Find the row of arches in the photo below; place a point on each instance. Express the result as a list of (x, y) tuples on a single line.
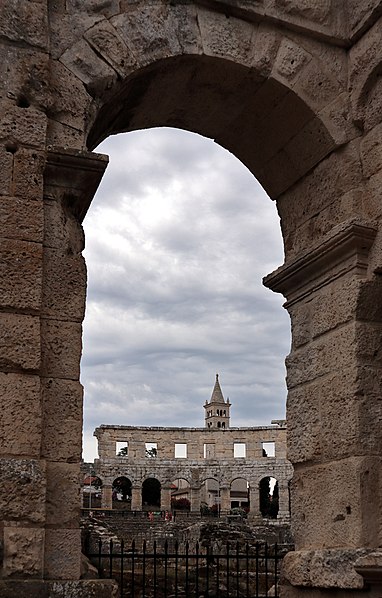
[(178, 495)]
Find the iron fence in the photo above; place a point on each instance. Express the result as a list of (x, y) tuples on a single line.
[(239, 571)]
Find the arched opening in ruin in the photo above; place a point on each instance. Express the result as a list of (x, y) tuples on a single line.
[(151, 494), (121, 493), (180, 495), (269, 497), (175, 255), (262, 121), (228, 102), (210, 498), (91, 491), (284, 95), (240, 495)]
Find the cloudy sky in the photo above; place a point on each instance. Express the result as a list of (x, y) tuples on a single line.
[(178, 239)]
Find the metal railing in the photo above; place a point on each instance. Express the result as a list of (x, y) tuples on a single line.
[(240, 571)]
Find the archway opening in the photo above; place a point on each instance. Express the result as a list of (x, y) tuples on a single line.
[(210, 498), (151, 490), (269, 497), (121, 493), (176, 248), (91, 491), (240, 496), (180, 495)]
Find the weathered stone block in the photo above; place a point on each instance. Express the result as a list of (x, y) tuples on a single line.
[(61, 349), (24, 75), (150, 26), (107, 8), (62, 554), (319, 12), (334, 305), (83, 62), (28, 174), (324, 569), (304, 424), (20, 275), (337, 117), (104, 39), (317, 86), (62, 494), (24, 126), (344, 514), (291, 58), (19, 342), (325, 420), (304, 154), (70, 106), (23, 552), (64, 290), (6, 171), (364, 65), (316, 359), (370, 150), (62, 403), (86, 588), (231, 38), (21, 219), (20, 422), (266, 41), (62, 231), (330, 180), (22, 490), (60, 133), (24, 22), (359, 13)]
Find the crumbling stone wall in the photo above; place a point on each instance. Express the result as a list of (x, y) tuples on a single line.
[(196, 467), (292, 88)]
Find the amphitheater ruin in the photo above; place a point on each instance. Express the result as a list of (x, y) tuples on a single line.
[(215, 465), (293, 89)]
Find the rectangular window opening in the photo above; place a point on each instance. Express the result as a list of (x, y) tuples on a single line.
[(269, 449), (151, 450), (180, 451), (239, 450), (121, 448)]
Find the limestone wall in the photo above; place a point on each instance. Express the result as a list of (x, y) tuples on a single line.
[(293, 89), (195, 438)]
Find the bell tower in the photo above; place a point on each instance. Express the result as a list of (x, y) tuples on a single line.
[(217, 409)]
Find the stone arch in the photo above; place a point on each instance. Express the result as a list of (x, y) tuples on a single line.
[(240, 493), (88, 59), (151, 493), (121, 492), (236, 70), (209, 493), (180, 494), (269, 497), (91, 491)]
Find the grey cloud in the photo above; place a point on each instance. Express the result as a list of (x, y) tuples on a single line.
[(175, 292)]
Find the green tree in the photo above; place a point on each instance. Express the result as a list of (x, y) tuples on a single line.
[(151, 453)]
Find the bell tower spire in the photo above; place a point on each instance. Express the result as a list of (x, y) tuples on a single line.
[(217, 414)]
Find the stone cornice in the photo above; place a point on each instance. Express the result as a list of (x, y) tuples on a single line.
[(74, 176), (345, 250)]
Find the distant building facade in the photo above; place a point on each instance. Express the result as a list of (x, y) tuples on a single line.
[(217, 466)]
